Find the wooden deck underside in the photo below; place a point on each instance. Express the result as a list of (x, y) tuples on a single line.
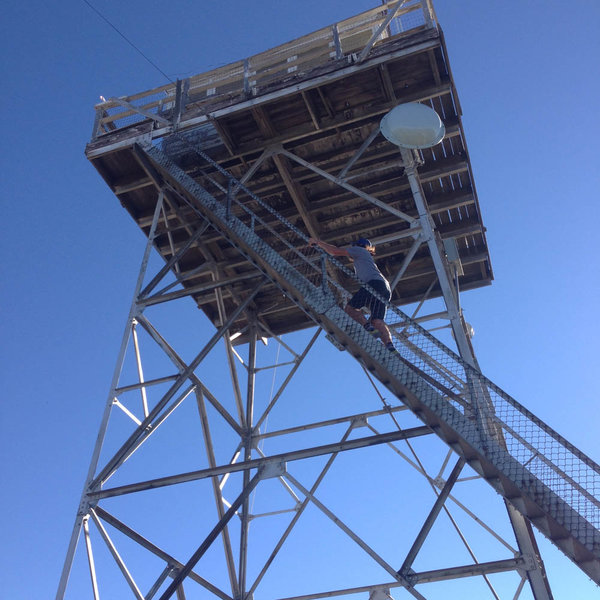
[(322, 115)]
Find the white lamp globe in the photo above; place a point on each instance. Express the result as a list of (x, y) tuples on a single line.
[(413, 125)]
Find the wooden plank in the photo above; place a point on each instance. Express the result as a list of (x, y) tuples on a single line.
[(434, 67), (297, 194), (221, 108), (264, 123), (329, 124), (284, 68), (311, 109), (298, 46), (388, 86), (223, 132), (229, 72), (228, 78), (136, 184), (309, 49), (144, 94)]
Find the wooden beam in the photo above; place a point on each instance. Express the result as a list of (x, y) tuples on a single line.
[(388, 86), (264, 122), (455, 230), (442, 202), (330, 124), (341, 200), (223, 132), (434, 67), (311, 109), (326, 102), (224, 107), (296, 191), (123, 187)]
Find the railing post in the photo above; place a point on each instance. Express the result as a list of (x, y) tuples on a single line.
[(323, 272), (247, 77), (97, 119), (428, 13), (336, 41), (177, 107), (229, 194)]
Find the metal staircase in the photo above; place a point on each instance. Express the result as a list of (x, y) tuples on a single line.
[(545, 478)]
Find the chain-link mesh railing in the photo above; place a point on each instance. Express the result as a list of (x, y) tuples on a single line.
[(541, 464)]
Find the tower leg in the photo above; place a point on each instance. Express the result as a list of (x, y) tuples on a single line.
[(524, 534), (133, 311)]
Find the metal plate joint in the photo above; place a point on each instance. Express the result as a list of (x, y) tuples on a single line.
[(273, 469)]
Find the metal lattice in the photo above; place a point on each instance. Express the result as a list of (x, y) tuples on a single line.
[(540, 462)]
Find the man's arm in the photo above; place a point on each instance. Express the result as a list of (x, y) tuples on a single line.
[(329, 248)]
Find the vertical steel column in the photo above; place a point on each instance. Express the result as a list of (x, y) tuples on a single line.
[(90, 555), (133, 311), (430, 237), (140, 369), (435, 511), (230, 358), (187, 568), (523, 532), (248, 442), (217, 490)]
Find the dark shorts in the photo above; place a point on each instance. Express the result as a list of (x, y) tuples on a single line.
[(364, 298)]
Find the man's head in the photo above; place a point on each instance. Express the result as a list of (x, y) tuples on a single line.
[(366, 244), (362, 242)]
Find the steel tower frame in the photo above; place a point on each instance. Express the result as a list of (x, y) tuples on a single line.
[(171, 519), (247, 457)]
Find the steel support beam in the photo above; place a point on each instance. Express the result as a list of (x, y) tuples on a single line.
[(364, 442), (218, 494), (300, 509), (90, 556), (248, 444), (142, 430), (359, 152), (523, 532), (133, 312), (206, 544), (498, 566), (347, 186), (378, 559), (433, 515), (117, 557), (391, 14)]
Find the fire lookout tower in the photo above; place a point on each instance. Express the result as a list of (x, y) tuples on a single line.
[(205, 479)]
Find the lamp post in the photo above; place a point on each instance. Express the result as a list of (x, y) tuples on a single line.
[(413, 126)]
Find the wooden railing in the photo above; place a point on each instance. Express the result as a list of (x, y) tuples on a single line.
[(252, 76)]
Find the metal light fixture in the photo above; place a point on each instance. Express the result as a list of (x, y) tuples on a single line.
[(413, 125)]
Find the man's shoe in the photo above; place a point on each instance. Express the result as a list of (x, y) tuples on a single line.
[(369, 328)]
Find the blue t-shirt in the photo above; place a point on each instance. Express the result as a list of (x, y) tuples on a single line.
[(364, 265)]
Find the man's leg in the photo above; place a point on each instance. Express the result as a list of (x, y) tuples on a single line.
[(355, 304), (380, 325), (378, 310), (356, 314)]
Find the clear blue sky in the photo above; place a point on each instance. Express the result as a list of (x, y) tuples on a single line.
[(527, 77)]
